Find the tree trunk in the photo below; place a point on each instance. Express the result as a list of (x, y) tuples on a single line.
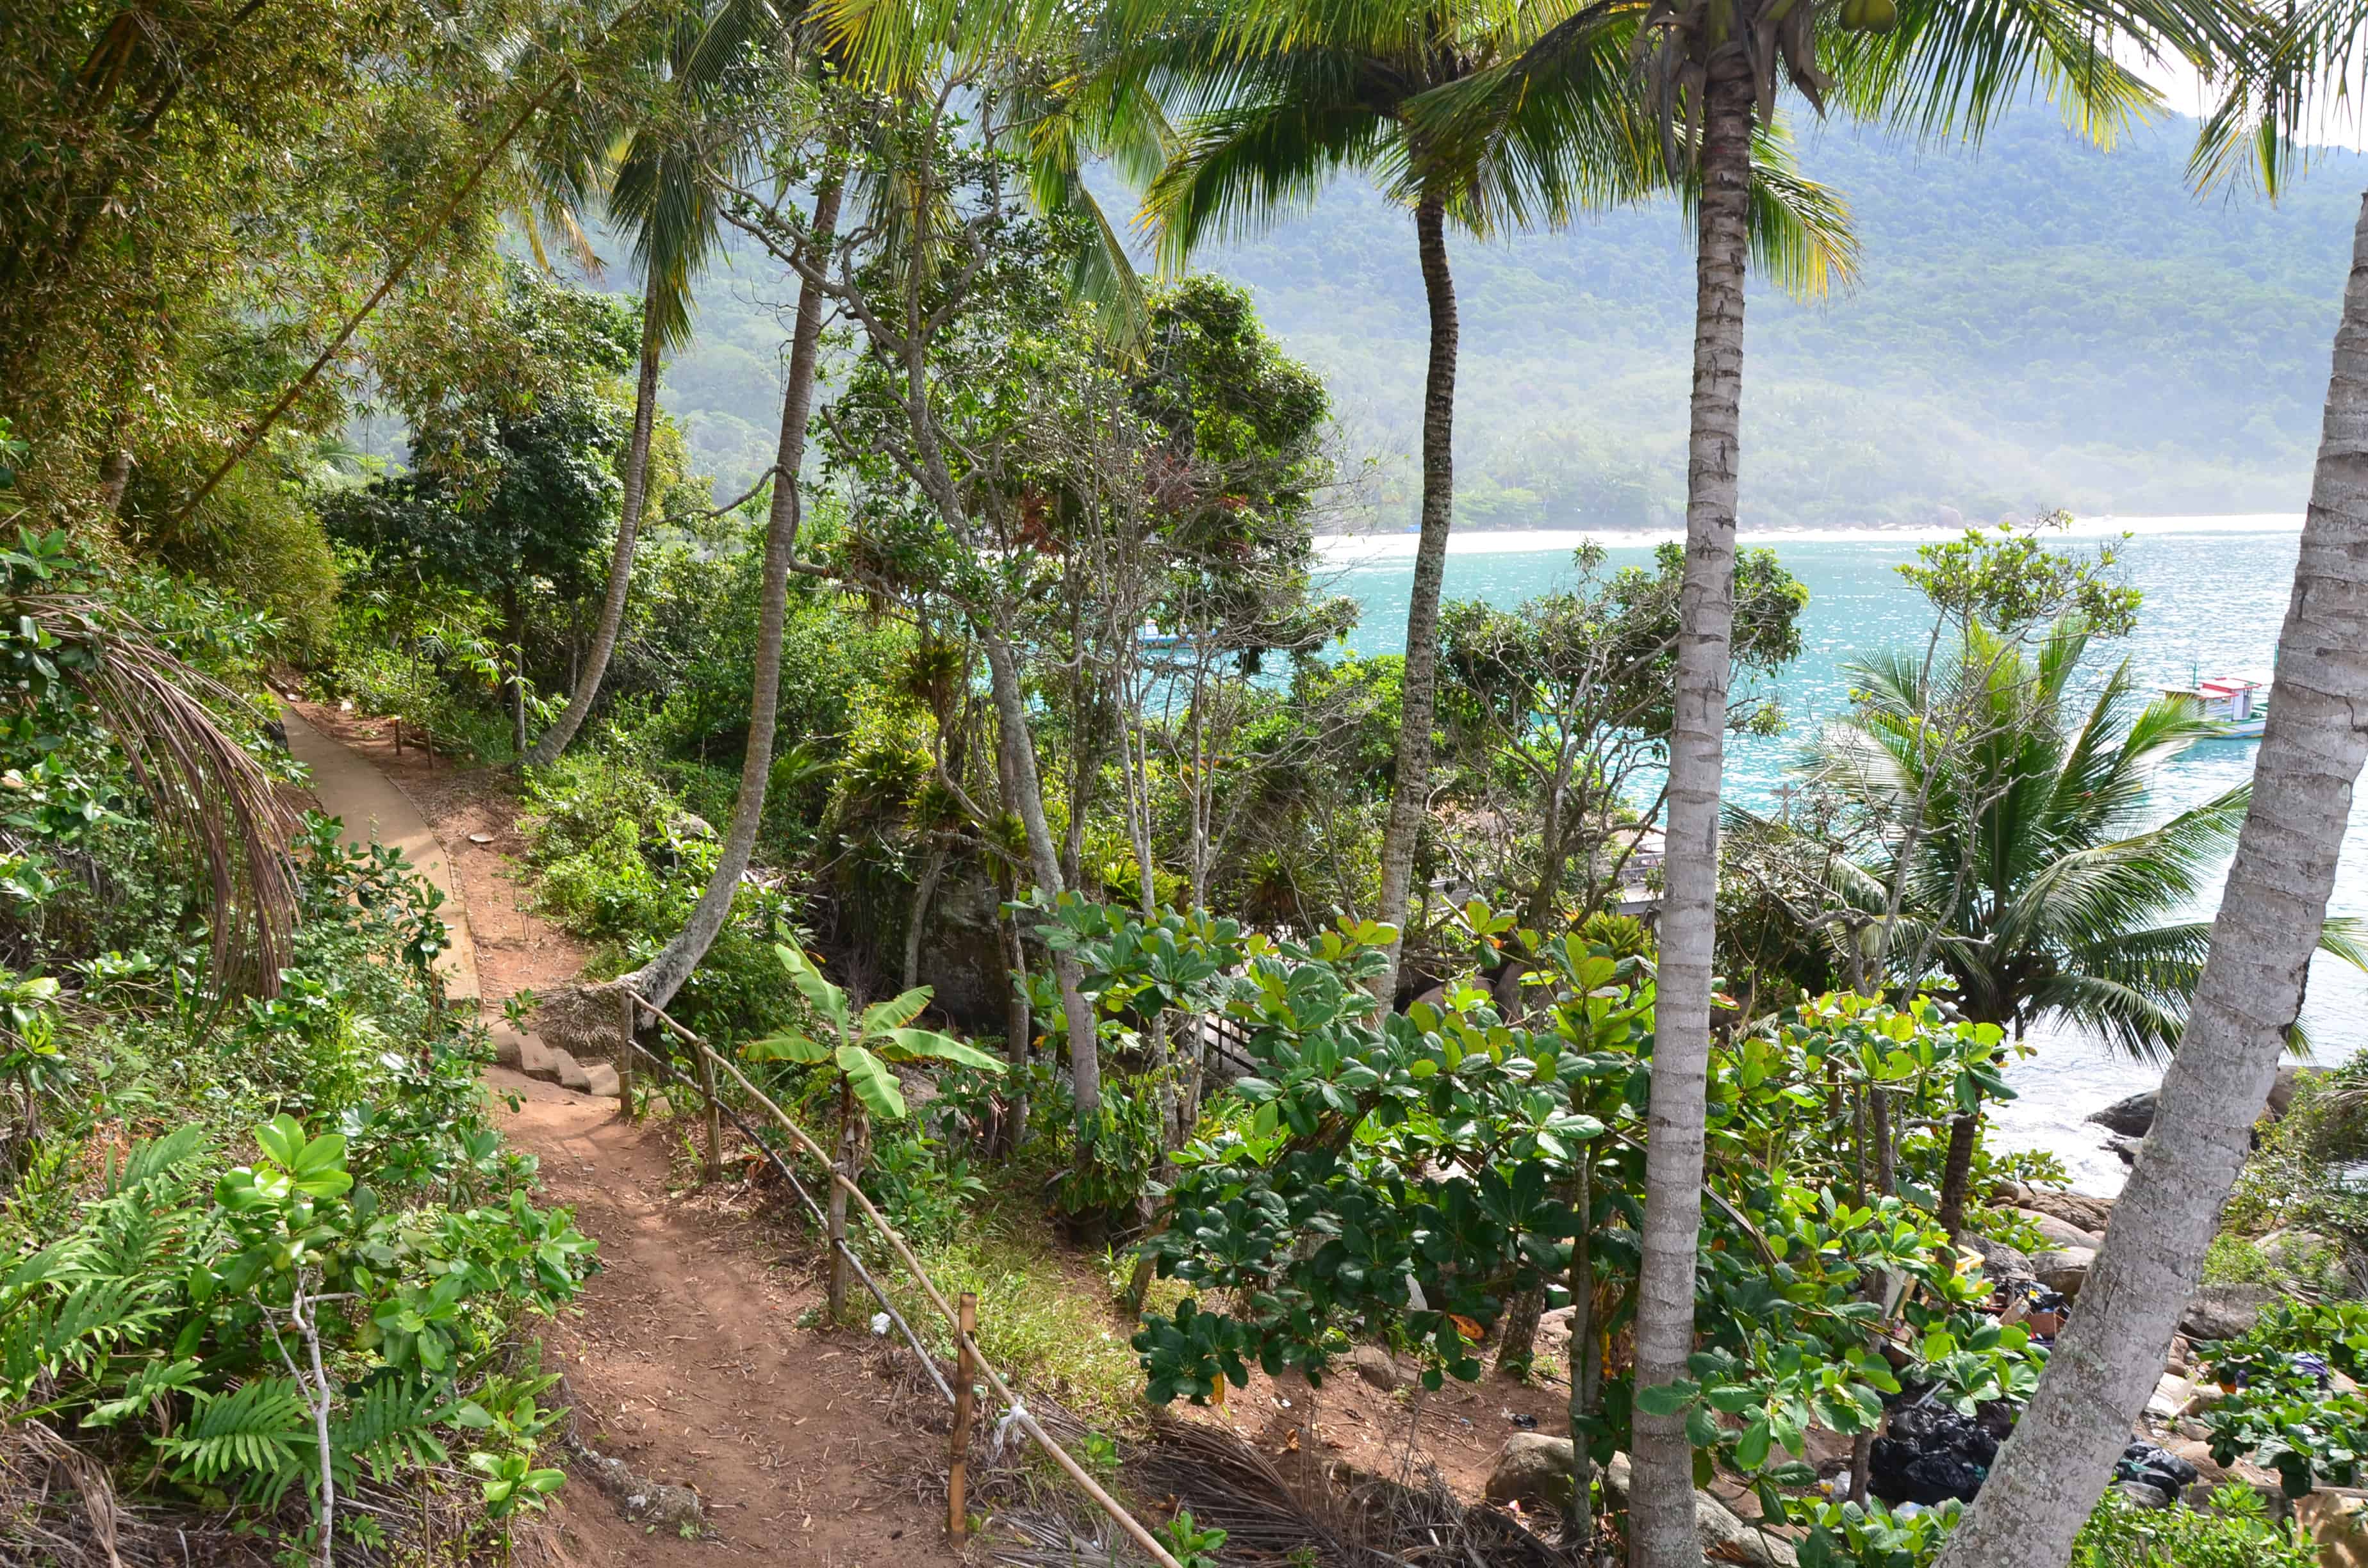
[(1586, 1367), (1661, 1503), (629, 521), (114, 475), (2062, 1452), (663, 976), (932, 869), (1026, 786), (1516, 1346), (515, 612), (1410, 778), (1957, 1173), (1018, 1032)]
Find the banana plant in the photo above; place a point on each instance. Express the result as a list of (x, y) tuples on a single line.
[(863, 1050)]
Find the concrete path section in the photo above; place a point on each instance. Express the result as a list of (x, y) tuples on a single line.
[(374, 811)]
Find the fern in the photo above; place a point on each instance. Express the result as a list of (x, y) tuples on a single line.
[(256, 1428), (153, 1380), (388, 1426)]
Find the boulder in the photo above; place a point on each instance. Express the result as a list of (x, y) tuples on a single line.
[(2056, 1233), (601, 1079), (2138, 1491), (1533, 1470), (2224, 1311), (1999, 1261), (2064, 1269), (2337, 1518), (2091, 1214), (1378, 1369), (537, 1059), (507, 1044), (2130, 1117), (2282, 1092), (2264, 1484)]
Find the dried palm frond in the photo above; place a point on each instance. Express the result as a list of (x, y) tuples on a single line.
[(213, 804)]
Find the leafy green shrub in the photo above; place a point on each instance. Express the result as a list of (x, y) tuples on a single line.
[(171, 1325), (2280, 1417), (2235, 1532)]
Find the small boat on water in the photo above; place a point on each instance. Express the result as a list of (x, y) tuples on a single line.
[(2240, 703)]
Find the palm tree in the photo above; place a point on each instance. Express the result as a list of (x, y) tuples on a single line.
[(2271, 913), (1714, 69), (2036, 884), (663, 185), (1279, 96)]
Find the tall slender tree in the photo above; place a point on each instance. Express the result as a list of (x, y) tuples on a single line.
[(2273, 909), (1713, 70), (1276, 97), (663, 185)]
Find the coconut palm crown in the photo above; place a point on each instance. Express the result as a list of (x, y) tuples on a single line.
[(2043, 885)]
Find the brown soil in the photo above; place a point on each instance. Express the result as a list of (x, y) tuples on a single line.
[(683, 1356)]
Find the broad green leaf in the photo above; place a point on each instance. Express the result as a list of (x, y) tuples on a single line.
[(820, 994), (282, 1138), (927, 1043), (872, 1083), (887, 1017), (786, 1048)]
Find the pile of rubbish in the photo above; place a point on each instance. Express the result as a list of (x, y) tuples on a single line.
[(1928, 1453)]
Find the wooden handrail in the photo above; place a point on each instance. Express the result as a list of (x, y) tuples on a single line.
[(1018, 1412)]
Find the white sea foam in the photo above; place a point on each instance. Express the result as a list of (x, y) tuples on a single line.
[(1351, 550)]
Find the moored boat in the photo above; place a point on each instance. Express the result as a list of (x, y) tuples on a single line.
[(2239, 702)]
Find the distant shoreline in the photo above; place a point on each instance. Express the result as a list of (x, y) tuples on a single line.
[(1348, 550)]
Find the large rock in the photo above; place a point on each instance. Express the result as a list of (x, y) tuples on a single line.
[(2281, 1093), (1380, 1369), (1533, 1470), (1999, 1261), (2130, 1117), (2336, 1518), (2091, 1214), (2064, 1269), (2224, 1311), (2057, 1232)]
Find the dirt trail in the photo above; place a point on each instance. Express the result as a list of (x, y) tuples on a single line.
[(683, 1357)]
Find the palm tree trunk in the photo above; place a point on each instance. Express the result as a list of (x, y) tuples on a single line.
[(2062, 1452), (1410, 785), (1661, 1504), (1957, 1173), (620, 560), (663, 976)]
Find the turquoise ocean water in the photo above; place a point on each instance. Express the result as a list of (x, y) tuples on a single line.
[(2214, 598)]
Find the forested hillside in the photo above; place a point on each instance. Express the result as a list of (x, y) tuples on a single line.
[(2037, 325)]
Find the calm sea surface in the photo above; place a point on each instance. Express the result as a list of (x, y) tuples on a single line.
[(2213, 602)]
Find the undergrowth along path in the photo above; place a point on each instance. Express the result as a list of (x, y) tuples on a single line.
[(684, 1356)]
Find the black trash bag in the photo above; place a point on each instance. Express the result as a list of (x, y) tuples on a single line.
[(1929, 1455), (2157, 1468)]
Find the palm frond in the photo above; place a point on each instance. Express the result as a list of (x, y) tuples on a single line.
[(212, 803)]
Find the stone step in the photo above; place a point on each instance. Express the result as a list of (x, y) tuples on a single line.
[(602, 1080), (536, 1061), (509, 1042), (571, 1072)]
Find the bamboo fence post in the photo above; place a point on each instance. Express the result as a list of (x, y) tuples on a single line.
[(629, 1022), (958, 1479), (714, 1118)]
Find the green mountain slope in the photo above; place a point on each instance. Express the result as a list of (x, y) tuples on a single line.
[(2037, 325)]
